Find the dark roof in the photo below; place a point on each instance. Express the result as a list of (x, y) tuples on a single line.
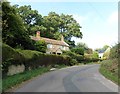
[(50, 41)]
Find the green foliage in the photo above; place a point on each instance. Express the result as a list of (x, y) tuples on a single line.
[(40, 46), (91, 58), (50, 26), (31, 59), (79, 51), (82, 45), (84, 48), (114, 52), (11, 81), (14, 32), (74, 62), (95, 55), (77, 57), (109, 68), (10, 56)]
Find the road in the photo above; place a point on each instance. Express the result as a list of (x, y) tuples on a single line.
[(84, 78)]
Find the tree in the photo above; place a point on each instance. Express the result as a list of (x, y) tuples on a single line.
[(83, 45), (79, 51), (64, 24), (30, 18), (14, 32), (51, 26)]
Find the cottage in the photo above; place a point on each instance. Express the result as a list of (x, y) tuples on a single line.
[(53, 46)]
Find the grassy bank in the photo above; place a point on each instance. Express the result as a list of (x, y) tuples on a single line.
[(109, 75), (11, 81), (109, 68)]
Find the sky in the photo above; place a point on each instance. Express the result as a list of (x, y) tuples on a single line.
[(99, 20)]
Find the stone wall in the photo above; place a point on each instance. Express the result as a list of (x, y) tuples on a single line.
[(14, 69)]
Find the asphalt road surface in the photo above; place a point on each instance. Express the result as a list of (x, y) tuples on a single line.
[(85, 78)]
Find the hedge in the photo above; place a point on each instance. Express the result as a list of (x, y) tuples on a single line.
[(34, 59), (77, 57), (90, 58), (31, 59), (110, 66)]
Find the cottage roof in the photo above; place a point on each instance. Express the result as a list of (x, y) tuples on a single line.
[(50, 41)]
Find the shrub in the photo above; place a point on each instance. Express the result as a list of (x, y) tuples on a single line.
[(9, 53), (79, 50), (73, 62), (40, 46), (90, 58), (114, 52), (10, 56), (109, 68), (95, 55), (75, 56)]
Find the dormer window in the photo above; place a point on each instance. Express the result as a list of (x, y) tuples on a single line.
[(49, 46)]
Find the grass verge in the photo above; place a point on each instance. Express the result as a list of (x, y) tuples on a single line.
[(109, 75), (109, 69), (10, 81)]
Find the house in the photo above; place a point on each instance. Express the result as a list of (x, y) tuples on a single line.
[(100, 54), (104, 54), (53, 46)]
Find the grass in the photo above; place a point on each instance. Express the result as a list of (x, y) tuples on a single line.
[(109, 75), (11, 81), (109, 69)]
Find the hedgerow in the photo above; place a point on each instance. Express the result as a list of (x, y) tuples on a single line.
[(31, 59)]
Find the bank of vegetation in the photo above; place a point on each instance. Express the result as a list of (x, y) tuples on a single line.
[(109, 67)]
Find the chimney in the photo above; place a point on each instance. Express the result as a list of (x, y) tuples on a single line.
[(62, 38), (38, 34)]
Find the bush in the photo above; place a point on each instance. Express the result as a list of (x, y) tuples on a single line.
[(109, 68), (75, 56), (95, 55), (114, 52), (90, 58), (73, 62), (10, 56), (9, 53), (40, 46), (79, 50)]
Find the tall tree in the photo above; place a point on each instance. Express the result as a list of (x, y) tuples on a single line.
[(52, 25), (62, 24), (14, 32), (31, 19)]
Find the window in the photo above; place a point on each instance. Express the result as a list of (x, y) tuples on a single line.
[(62, 47), (49, 46)]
